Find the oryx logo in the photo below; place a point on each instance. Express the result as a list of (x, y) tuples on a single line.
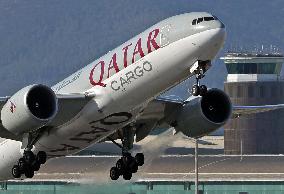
[(12, 107)]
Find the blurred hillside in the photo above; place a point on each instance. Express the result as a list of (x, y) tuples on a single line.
[(45, 41)]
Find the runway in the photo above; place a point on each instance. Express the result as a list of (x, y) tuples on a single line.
[(167, 157), (167, 167)]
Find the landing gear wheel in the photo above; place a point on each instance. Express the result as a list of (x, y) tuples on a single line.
[(36, 166), (29, 157), (119, 165), (114, 173), (22, 165), (41, 157), (202, 90), (133, 166), (127, 175), (127, 158), (16, 171), (29, 173), (139, 158), (28, 164), (195, 90)]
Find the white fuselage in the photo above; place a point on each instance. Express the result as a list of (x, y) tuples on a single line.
[(124, 81)]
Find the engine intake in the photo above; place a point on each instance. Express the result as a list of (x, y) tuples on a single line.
[(202, 115), (29, 109), (41, 102), (216, 106)]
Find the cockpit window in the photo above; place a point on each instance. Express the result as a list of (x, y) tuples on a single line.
[(208, 18), (199, 20), (215, 17)]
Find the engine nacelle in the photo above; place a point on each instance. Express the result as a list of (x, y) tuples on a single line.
[(29, 109), (202, 115)]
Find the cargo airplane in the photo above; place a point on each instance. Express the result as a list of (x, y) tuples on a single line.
[(118, 97)]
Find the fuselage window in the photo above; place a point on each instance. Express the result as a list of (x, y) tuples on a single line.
[(194, 21)]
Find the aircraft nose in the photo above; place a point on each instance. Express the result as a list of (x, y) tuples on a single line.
[(220, 24), (213, 23), (212, 35), (222, 29)]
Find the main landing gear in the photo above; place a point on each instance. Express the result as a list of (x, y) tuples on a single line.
[(127, 164), (30, 162), (198, 89)]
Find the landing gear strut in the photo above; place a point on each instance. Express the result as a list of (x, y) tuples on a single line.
[(198, 89), (127, 164), (30, 162)]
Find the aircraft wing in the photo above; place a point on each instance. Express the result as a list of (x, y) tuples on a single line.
[(247, 110), (69, 105), (154, 114), (152, 118), (237, 110)]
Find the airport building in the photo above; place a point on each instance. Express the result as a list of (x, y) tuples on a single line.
[(254, 79)]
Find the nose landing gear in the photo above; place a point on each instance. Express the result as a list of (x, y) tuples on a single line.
[(199, 72), (198, 90)]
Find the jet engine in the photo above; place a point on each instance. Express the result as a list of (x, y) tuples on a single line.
[(202, 115), (29, 109)]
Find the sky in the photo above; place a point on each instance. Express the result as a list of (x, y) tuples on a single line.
[(45, 41)]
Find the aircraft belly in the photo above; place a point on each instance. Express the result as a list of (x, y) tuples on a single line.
[(83, 132)]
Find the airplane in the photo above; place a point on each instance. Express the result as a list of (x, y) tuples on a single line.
[(118, 96)]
